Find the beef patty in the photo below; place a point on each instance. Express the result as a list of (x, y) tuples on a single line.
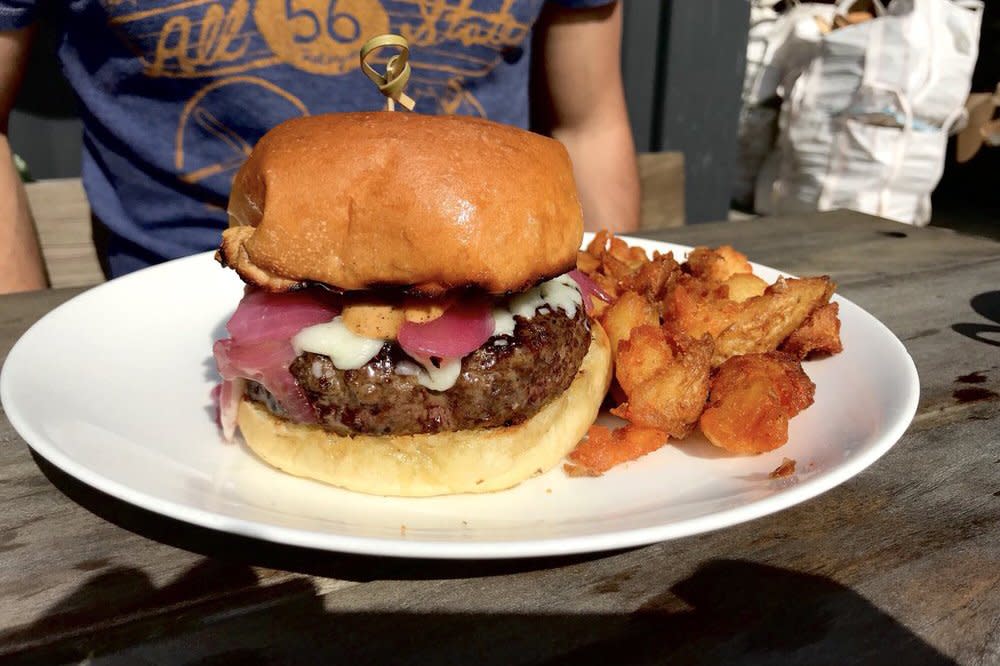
[(504, 382)]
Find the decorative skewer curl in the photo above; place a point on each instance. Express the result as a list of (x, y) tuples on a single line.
[(397, 70)]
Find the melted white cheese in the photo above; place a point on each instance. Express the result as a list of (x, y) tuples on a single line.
[(347, 349), (350, 351), (439, 379), (559, 293), (503, 322)]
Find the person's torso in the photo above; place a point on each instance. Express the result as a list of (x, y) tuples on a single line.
[(175, 94)]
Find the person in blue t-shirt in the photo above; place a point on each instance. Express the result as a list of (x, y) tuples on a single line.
[(173, 94)]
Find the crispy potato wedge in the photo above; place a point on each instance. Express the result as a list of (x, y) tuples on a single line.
[(819, 334), (735, 261), (665, 376), (751, 400), (598, 308), (763, 322), (604, 448)]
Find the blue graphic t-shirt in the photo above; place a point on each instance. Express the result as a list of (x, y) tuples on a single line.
[(174, 93)]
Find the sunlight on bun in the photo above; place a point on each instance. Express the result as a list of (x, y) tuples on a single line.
[(361, 200)]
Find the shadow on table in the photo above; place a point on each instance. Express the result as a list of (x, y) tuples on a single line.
[(222, 611), (986, 304), (728, 612)]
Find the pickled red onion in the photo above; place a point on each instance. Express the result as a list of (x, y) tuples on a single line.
[(462, 329), (588, 288)]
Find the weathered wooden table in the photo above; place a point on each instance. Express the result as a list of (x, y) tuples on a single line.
[(900, 565)]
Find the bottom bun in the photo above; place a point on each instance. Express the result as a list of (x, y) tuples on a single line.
[(469, 461)]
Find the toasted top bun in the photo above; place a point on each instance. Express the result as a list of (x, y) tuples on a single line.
[(430, 203)]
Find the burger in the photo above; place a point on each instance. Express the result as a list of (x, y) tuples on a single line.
[(412, 322)]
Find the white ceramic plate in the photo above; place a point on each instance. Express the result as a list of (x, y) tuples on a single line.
[(113, 388)]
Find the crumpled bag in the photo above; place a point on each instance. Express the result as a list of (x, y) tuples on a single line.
[(779, 47), (865, 125)]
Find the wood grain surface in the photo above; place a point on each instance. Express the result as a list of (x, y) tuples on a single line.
[(661, 189), (62, 218), (901, 564)]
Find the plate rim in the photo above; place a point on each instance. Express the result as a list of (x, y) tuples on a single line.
[(457, 549)]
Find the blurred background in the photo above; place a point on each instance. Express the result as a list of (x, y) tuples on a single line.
[(758, 107)]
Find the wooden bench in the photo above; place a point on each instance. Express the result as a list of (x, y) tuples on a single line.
[(62, 218)]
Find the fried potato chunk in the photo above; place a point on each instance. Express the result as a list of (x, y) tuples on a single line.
[(630, 311), (605, 245), (818, 335), (716, 314), (632, 256), (587, 263), (655, 278), (763, 322), (617, 267), (751, 400), (664, 374), (717, 265), (695, 308), (599, 244), (604, 448), (743, 286)]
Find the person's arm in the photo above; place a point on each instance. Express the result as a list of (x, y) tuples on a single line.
[(578, 98), (21, 267)]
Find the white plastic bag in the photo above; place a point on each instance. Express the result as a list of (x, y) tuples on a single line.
[(779, 49), (865, 126), (779, 46), (924, 50)]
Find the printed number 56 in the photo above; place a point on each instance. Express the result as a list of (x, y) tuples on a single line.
[(307, 24)]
